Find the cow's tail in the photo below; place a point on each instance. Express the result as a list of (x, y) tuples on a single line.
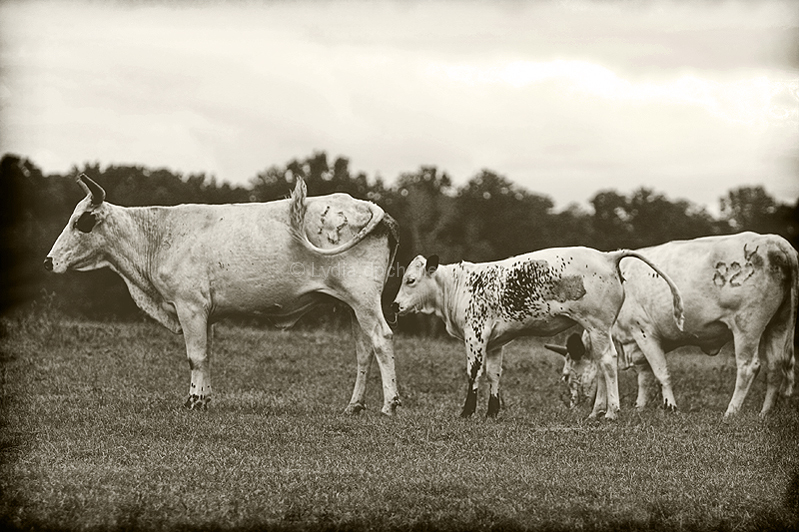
[(393, 245), (393, 242), (297, 223), (793, 300), (679, 314)]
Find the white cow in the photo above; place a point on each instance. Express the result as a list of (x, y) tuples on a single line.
[(539, 294), (741, 287), (189, 265)]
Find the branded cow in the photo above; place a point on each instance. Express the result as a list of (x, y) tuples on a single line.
[(539, 294), (741, 287), (189, 265)]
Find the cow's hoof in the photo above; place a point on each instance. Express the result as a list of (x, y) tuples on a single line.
[(390, 409), (669, 407), (493, 406), (195, 402), (353, 409)]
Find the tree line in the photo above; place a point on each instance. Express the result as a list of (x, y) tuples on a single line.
[(489, 217)]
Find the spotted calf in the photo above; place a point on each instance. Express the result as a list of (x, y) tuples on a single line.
[(538, 294)]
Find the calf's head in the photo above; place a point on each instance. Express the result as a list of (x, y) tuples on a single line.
[(579, 369), (418, 290), (79, 246)]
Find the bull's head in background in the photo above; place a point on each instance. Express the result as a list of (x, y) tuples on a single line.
[(79, 246), (579, 369)]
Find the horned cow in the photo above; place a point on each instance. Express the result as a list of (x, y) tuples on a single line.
[(742, 287), (189, 265), (487, 305)]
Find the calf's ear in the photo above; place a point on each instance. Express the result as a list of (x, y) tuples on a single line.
[(432, 264)]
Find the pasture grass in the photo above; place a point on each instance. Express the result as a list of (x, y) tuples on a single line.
[(94, 437)]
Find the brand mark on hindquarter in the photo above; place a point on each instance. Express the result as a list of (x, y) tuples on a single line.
[(734, 273)]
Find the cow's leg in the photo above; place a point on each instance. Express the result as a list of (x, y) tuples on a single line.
[(475, 357), (748, 364), (643, 373), (656, 358), (493, 371), (375, 329), (600, 398), (196, 333), (363, 352), (603, 350), (646, 381), (776, 347)]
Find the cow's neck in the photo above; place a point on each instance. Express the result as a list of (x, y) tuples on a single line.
[(450, 297), (136, 237)]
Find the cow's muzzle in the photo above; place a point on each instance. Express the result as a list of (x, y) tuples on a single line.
[(48, 264), (400, 310)]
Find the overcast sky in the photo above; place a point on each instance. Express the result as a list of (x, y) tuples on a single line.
[(565, 98)]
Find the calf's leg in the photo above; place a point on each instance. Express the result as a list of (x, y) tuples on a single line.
[(604, 351), (493, 371), (475, 367)]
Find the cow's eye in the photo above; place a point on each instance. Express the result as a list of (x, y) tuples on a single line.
[(86, 222), (410, 281)]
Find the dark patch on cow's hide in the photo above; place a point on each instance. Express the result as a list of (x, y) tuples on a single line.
[(529, 287), (526, 283), (569, 288)]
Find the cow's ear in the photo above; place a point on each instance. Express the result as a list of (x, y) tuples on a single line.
[(432, 264), (575, 347)]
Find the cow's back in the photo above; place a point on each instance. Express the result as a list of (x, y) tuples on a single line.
[(243, 257), (718, 277), (545, 291)]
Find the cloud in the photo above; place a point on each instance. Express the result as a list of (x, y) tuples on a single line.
[(562, 97), (752, 100)]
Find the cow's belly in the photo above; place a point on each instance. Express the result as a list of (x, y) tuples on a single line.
[(283, 314), (505, 331), (261, 295), (710, 337)]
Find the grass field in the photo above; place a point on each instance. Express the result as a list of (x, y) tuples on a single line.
[(94, 438)]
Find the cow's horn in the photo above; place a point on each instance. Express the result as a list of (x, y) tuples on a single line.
[(96, 191), (559, 349)]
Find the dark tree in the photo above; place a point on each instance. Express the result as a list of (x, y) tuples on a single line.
[(498, 219)]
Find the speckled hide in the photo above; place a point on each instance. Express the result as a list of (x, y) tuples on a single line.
[(539, 294), (189, 265), (739, 287)]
